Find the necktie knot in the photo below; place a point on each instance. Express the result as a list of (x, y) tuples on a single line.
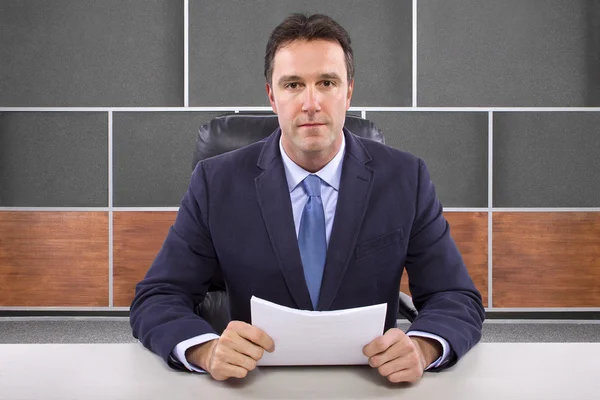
[(312, 185)]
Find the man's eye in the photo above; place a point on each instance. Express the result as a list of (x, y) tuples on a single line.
[(328, 83), (292, 85)]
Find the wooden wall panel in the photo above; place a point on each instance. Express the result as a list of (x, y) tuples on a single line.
[(137, 238), (546, 259), (469, 231), (54, 259)]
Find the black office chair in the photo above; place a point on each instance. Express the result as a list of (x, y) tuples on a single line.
[(230, 132)]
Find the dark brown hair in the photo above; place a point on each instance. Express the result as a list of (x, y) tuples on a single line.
[(305, 27)]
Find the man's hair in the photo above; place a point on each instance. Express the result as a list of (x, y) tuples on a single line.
[(305, 27)]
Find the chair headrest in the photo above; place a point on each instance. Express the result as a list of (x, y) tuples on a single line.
[(231, 132)]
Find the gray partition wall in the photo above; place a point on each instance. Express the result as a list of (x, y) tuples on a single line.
[(109, 53), (234, 34), (100, 104), (529, 53)]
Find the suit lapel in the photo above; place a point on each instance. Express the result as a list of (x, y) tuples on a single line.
[(353, 198), (275, 205)]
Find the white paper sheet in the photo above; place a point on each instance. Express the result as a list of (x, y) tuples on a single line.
[(317, 337)]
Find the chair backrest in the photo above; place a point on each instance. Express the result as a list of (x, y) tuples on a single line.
[(231, 132)]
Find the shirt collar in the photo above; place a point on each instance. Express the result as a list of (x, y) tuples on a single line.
[(331, 173)]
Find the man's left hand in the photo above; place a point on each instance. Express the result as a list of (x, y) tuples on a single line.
[(401, 358)]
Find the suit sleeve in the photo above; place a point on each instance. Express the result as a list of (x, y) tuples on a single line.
[(448, 303), (162, 312)]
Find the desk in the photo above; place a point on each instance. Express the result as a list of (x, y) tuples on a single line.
[(128, 371)]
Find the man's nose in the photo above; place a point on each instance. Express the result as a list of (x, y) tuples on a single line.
[(310, 102)]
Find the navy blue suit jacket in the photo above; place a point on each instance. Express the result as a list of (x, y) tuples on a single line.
[(236, 220)]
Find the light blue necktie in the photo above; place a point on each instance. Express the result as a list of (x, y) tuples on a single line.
[(311, 237)]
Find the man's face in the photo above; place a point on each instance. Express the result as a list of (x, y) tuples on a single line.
[(310, 94)]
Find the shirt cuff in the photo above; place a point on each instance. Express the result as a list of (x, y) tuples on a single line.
[(445, 347), (178, 352)]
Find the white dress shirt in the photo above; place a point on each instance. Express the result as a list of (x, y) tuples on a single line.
[(330, 176)]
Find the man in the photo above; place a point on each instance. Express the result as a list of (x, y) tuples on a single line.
[(312, 218)]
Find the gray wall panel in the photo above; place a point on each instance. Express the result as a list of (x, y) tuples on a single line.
[(453, 144), (508, 53), (153, 154), (546, 159), (91, 53), (53, 159), (228, 40), (592, 44)]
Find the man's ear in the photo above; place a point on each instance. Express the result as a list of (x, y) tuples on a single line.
[(349, 95), (271, 97)]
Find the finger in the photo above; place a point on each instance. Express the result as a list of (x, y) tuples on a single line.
[(227, 371), (398, 365), (237, 343), (382, 343), (406, 375), (254, 334), (226, 357), (242, 360), (399, 349)]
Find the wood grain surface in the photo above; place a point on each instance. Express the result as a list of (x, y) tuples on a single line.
[(137, 238), (469, 231), (60, 259), (546, 259), (54, 259)]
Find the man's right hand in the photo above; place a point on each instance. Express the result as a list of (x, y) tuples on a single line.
[(234, 354)]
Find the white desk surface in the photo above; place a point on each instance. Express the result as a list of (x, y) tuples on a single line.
[(562, 371)]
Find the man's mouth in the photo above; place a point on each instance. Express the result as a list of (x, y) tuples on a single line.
[(312, 124)]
